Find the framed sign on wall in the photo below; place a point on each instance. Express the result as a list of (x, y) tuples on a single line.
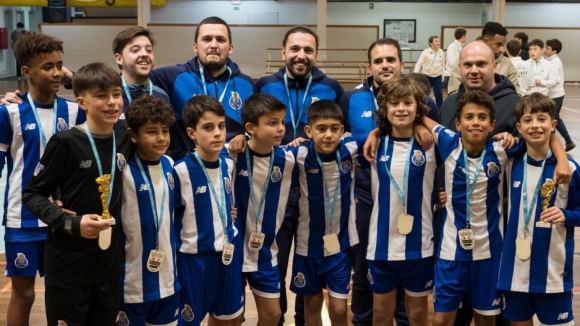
[(403, 30)]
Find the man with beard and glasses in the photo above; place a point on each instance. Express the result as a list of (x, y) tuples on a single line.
[(298, 84), (359, 106)]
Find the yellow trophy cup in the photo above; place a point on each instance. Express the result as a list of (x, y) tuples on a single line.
[(104, 182), (546, 191)]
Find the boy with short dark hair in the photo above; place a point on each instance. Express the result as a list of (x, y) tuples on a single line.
[(536, 271), (513, 50), (208, 265), (24, 131), (149, 293), (453, 51), (543, 76), (84, 164), (552, 51)]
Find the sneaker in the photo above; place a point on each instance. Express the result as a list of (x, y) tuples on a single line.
[(570, 146)]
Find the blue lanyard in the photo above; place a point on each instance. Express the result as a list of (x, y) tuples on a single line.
[(205, 85), (258, 209), (299, 109), (405, 174), (376, 107), (38, 123), (220, 202), (158, 219), (94, 147), (471, 186), (330, 207), (529, 209), (129, 93), (434, 57)]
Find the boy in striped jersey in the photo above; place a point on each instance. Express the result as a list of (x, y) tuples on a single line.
[(149, 280), (25, 129), (262, 183), (326, 226), (547, 241), (207, 263)]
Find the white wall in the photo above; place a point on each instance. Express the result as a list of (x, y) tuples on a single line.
[(542, 14)]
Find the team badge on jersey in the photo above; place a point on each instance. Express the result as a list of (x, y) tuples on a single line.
[(121, 161), (314, 99), (187, 313), (345, 166), (370, 277), (122, 319), (418, 158), (61, 323), (276, 174), (492, 169), (228, 185), (299, 280), (61, 125), (170, 180), (235, 101), (21, 261)]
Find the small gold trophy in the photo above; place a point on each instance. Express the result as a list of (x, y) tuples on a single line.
[(546, 191), (104, 182)]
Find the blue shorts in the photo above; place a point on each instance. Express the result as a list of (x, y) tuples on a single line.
[(264, 282), (551, 308), (416, 276), (158, 312), (311, 274), (24, 258), (475, 280), (209, 286)]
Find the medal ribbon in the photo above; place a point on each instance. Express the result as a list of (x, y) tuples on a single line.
[(529, 209), (299, 109), (330, 207), (35, 111), (376, 107), (158, 219), (220, 202), (258, 209), (471, 186), (126, 88), (98, 159), (205, 85), (405, 174)]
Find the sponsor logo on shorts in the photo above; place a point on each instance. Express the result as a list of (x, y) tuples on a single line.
[(429, 284), (122, 319), (496, 302), (370, 277), (187, 313), (20, 261), (563, 316), (299, 280)]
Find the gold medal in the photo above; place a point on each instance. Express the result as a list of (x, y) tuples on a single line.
[(155, 261), (405, 224), (523, 248), (466, 239), (256, 241), (228, 253), (331, 243)]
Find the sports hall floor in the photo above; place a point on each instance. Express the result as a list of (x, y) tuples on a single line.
[(570, 114)]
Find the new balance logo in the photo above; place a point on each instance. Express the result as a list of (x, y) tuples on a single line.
[(517, 184), (367, 114), (243, 173), (85, 164), (563, 316), (496, 302), (200, 190), (429, 284), (143, 187), (384, 158), (30, 126), (313, 171)]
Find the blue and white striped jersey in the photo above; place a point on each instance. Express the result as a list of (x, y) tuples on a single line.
[(198, 223), (139, 231), (486, 200), (314, 222), (552, 248), (21, 147), (385, 241), (272, 213)]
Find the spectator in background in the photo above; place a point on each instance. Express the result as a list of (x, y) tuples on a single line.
[(14, 37), (453, 51), (513, 50), (523, 39), (432, 64)]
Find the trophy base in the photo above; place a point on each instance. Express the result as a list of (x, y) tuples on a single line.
[(105, 238), (111, 220)]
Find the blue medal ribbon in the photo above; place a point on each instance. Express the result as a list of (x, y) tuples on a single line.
[(376, 107), (126, 88), (203, 83), (529, 209), (299, 109), (471, 186), (38, 123), (157, 219), (405, 174), (330, 207), (220, 202), (98, 159), (258, 210)]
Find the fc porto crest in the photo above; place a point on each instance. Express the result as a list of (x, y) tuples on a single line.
[(345, 166), (418, 158), (121, 162), (187, 313), (276, 174), (299, 280), (235, 101), (61, 125), (492, 169), (370, 277), (228, 184), (122, 319), (170, 180), (21, 261)]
